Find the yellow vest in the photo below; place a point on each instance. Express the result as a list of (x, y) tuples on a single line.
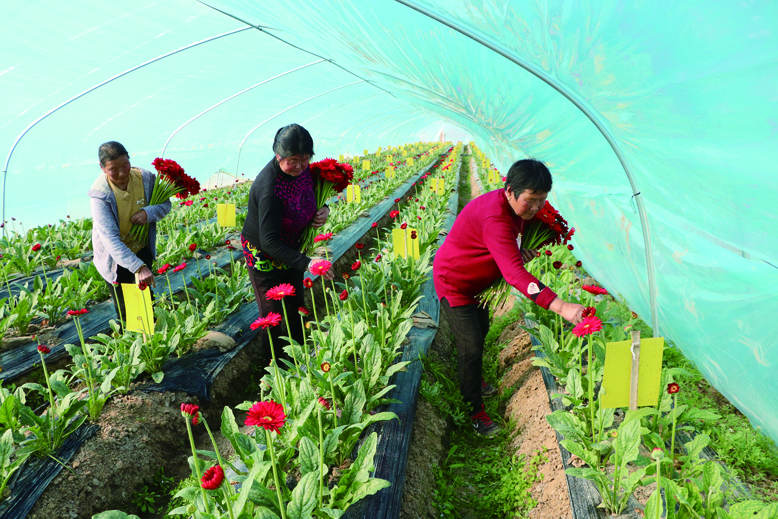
[(127, 204)]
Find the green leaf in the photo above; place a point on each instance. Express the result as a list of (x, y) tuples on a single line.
[(304, 497), (567, 424), (747, 508), (654, 506), (369, 488), (309, 455), (394, 368), (711, 476), (694, 448), (333, 512), (114, 514), (7, 414), (589, 457), (158, 376), (768, 512), (262, 512), (574, 387), (627, 444), (331, 443)]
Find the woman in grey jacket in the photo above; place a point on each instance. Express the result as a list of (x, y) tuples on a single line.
[(119, 199)]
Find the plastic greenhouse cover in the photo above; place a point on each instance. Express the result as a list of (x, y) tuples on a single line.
[(656, 120)]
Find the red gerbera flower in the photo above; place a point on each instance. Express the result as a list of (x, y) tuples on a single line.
[(343, 295), (179, 268), (272, 319), (413, 235), (673, 388), (557, 264), (268, 415), (394, 214), (325, 367), (588, 326), (307, 282), (578, 264), (44, 349), (213, 478), (321, 267), (227, 242), (280, 292), (589, 310), (142, 286), (324, 403), (397, 200), (359, 246), (378, 258), (303, 311), (192, 247), (548, 253), (164, 268), (570, 247), (403, 225), (189, 410), (356, 265), (593, 289), (36, 247), (322, 237)]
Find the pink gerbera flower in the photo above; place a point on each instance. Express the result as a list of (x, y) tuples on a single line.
[(280, 292), (272, 319), (588, 326)]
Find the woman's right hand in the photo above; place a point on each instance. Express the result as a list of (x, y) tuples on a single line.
[(146, 276), (571, 312)]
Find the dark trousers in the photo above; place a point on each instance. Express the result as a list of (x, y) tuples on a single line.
[(262, 282), (125, 276), (470, 324)]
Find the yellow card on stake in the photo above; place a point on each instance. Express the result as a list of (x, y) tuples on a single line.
[(618, 363), (137, 304), (225, 215), (353, 193)]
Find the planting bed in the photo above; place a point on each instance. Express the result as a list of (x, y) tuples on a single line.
[(196, 373)]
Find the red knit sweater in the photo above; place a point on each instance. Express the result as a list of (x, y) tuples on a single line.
[(480, 248)]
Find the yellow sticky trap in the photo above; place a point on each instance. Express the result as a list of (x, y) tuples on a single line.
[(379, 149), (366, 165), (137, 304), (340, 158), (353, 193), (389, 173), (225, 215), (366, 153), (405, 153), (410, 162), (438, 185), (491, 177), (403, 243), (618, 362)]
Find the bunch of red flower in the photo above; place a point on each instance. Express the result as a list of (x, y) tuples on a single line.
[(171, 171), (546, 228), (332, 171), (329, 177)]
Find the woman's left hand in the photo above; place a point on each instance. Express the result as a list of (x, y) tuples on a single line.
[(140, 217), (320, 218)]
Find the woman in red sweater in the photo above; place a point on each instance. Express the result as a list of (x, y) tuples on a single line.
[(481, 247)]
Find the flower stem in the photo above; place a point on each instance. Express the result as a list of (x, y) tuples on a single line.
[(353, 338), (672, 437), (659, 490), (275, 473), (227, 500), (189, 301), (116, 298), (289, 331), (215, 448), (197, 465), (590, 373), (306, 353), (364, 299), (169, 289), (321, 456), (277, 375), (334, 403)]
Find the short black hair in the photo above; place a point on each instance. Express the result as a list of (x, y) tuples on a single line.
[(528, 174), (293, 140), (111, 150)]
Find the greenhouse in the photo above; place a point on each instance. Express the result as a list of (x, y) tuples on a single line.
[(388, 259)]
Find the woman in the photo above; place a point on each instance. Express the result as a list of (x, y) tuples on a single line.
[(281, 205), (480, 248), (119, 197)]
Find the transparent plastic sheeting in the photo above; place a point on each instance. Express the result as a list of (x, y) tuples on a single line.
[(685, 92)]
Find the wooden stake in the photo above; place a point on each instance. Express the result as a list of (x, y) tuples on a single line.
[(635, 374)]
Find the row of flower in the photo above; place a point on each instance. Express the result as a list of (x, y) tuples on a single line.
[(313, 408), (621, 450), (182, 228), (114, 361)]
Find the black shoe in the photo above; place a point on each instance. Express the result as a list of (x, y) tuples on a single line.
[(484, 425), (487, 390)]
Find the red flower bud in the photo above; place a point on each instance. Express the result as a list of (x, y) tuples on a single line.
[(36, 247), (557, 264), (374, 225), (548, 253), (356, 265), (378, 258), (403, 225), (570, 247), (213, 477), (192, 247), (343, 295), (578, 264), (44, 349), (142, 286)]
